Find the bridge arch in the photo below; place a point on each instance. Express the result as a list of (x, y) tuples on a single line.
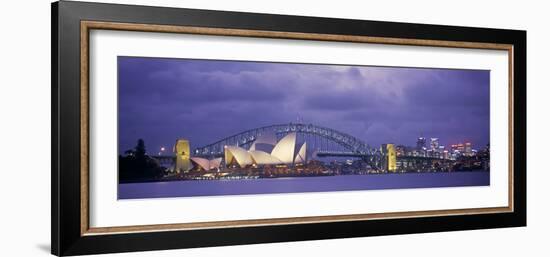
[(246, 138)]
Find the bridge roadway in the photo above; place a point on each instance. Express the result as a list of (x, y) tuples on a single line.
[(170, 159), (366, 155)]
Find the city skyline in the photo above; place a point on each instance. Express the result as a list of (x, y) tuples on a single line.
[(202, 100)]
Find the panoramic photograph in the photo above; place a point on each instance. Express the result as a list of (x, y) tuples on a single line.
[(194, 127)]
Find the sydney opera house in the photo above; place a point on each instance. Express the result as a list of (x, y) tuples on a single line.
[(265, 150)]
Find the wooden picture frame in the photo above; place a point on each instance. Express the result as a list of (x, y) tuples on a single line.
[(71, 25)]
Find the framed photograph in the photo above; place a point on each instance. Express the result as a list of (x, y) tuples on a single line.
[(178, 128)]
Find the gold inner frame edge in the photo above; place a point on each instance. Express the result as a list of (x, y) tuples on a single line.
[(86, 26)]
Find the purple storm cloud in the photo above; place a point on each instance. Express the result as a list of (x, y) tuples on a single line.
[(163, 99)]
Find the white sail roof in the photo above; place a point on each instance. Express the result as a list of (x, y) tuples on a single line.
[(301, 155), (262, 158), (241, 156), (215, 163), (206, 164), (284, 149)]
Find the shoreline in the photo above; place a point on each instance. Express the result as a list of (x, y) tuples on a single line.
[(190, 188), (232, 178)]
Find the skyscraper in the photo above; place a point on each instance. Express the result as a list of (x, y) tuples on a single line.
[(460, 147), (468, 149), (420, 143), (454, 147), (446, 154), (434, 143)]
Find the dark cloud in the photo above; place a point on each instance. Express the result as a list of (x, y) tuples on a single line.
[(337, 101), (164, 99)]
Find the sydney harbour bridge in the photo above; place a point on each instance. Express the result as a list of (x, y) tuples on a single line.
[(325, 141), (322, 142)]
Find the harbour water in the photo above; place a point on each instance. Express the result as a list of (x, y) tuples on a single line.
[(301, 184)]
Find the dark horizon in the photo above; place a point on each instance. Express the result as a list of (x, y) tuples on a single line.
[(163, 99)]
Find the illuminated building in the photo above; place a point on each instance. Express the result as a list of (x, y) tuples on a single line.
[(205, 164), (429, 153), (468, 149), (182, 151), (454, 147), (460, 148), (390, 158), (400, 150), (286, 151), (420, 143), (446, 154), (434, 143), (440, 151)]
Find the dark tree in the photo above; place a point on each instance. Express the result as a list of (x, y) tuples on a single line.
[(140, 149), (137, 166)]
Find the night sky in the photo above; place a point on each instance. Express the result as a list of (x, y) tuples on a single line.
[(161, 100)]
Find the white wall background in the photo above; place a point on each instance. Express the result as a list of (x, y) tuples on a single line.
[(25, 127)]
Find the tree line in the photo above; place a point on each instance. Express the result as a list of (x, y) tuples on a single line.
[(136, 166)]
